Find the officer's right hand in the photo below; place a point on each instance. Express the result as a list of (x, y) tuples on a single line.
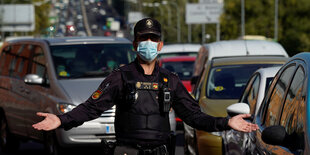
[(50, 122), (238, 123)]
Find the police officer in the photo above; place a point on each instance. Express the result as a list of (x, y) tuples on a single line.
[(143, 93)]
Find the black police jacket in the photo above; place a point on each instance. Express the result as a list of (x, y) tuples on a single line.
[(111, 92)]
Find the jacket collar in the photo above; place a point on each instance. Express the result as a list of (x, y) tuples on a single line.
[(141, 70)]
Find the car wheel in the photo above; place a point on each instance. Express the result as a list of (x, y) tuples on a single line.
[(8, 142), (51, 145)]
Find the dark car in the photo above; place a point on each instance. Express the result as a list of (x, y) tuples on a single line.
[(236, 142), (284, 113)]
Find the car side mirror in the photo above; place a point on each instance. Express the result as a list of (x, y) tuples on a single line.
[(238, 108), (33, 79), (274, 135), (277, 135)]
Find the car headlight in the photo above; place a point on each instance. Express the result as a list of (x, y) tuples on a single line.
[(216, 133), (65, 107)]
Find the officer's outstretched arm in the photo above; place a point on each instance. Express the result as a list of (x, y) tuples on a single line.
[(50, 122), (238, 123)]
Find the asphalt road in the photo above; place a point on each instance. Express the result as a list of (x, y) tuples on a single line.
[(34, 148)]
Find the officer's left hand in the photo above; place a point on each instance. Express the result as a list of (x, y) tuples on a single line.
[(238, 123)]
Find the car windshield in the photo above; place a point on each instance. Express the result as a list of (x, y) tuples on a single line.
[(184, 69), (228, 82), (173, 54), (89, 60)]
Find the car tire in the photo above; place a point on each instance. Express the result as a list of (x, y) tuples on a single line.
[(8, 142), (51, 144)]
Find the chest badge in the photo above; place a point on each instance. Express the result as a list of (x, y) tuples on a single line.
[(138, 85), (96, 94)]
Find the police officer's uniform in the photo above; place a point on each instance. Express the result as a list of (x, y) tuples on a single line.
[(142, 107)]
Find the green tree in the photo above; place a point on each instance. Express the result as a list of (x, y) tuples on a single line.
[(293, 21), (293, 26), (259, 19), (41, 18), (161, 14), (170, 31)]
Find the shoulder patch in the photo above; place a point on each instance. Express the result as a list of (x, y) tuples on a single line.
[(96, 94)]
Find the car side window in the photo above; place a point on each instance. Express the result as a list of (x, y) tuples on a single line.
[(16, 61), (39, 63), (274, 106), (247, 89), (251, 92), (200, 84), (4, 59), (301, 112), (197, 93), (13, 58), (22, 60), (301, 119), (290, 112)]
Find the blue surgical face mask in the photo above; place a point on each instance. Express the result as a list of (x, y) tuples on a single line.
[(147, 50)]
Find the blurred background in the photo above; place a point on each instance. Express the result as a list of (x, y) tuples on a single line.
[(286, 21), (187, 25)]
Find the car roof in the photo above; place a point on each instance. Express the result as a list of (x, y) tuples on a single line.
[(173, 48), (304, 56), (74, 40), (178, 58), (243, 48), (237, 60)]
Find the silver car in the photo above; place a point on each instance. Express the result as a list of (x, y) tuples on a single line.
[(54, 75)]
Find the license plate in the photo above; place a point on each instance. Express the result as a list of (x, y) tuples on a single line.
[(110, 128)]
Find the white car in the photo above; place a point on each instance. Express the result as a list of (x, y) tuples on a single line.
[(255, 89), (249, 102)]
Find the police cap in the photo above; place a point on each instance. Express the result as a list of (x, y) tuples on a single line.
[(147, 26)]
